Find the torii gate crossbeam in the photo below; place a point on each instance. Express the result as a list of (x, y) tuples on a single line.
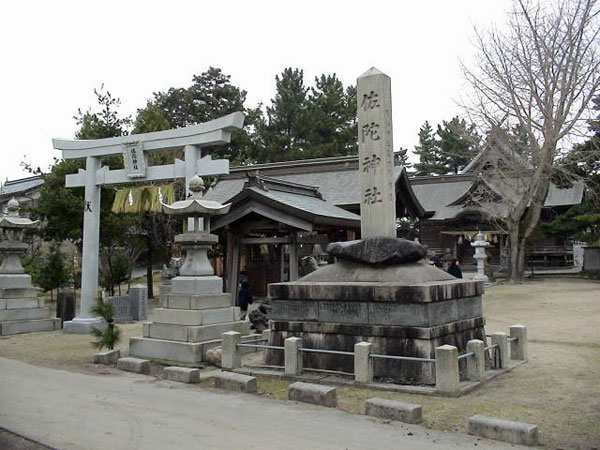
[(134, 149)]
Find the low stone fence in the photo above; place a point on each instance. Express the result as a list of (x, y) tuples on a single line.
[(502, 348)]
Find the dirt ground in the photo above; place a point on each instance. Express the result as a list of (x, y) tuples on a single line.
[(558, 389)]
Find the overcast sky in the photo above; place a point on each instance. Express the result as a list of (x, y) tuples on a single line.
[(54, 53)]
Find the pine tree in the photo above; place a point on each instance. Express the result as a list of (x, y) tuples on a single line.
[(428, 153), (458, 144)]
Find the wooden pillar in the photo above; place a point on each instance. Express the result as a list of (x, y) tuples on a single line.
[(282, 263), (293, 257), (233, 265)]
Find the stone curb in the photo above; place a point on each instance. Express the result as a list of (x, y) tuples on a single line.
[(394, 410), (503, 430), (136, 365), (313, 393), (182, 374), (236, 382)]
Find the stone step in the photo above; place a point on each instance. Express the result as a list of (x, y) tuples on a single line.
[(196, 317), (136, 365), (186, 352), (28, 326), (199, 301), (197, 285), (24, 314), (22, 302), (185, 333)]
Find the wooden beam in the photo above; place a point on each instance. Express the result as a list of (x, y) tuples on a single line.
[(262, 210), (293, 257), (266, 240)]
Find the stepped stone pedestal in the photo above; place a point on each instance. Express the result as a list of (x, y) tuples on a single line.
[(406, 309), (21, 310), (194, 311)]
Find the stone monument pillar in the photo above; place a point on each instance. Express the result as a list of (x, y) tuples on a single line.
[(379, 290), (195, 311), (480, 244), (21, 310), (375, 155)]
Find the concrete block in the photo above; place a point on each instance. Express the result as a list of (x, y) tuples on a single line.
[(131, 364), (392, 410), (363, 363), (202, 301), (500, 356), (476, 363), (109, 357), (182, 374), (313, 393), (236, 382), (188, 352), (446, 370), (518, 347), (28, 326), (15, 281), (292, 356), (197, 285), (29, 292), (24, 303), (194, 317), (231, 357), (503, 430), (24, 314)]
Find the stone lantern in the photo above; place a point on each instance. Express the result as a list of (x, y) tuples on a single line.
[(196, 310), (480, 244), (21, 310)]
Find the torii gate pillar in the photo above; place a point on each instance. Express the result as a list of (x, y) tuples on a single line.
[(134, 149)]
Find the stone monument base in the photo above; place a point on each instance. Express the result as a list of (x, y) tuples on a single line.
[(21, 310), (188, 324), (83, 325), (400, 318)]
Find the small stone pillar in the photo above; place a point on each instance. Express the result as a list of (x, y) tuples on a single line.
[(476, 363), (138, 296), (231, 357), (446, 370), (292, 356), (480, 245), (363, 363), (518, 347), (501, 354)]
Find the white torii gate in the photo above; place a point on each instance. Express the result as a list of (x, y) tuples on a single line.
[(134, 149)]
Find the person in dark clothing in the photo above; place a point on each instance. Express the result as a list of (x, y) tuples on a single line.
[(454, 269), (244, 297)]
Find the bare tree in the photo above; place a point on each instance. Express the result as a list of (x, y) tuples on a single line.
[(537, 75)]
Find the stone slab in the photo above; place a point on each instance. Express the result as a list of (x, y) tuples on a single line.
[(185, 333), (24, 303), (19, 293), (237, 382), (503, 430), (376, 291), (393, 410), (201, 301), (195, 317), (197, 285), (317, 394), (136, 365), (83, 325), (109, 357), (15, 281), (187, 352), (28, 326), (388, 251), (182, 374), (24, 314)]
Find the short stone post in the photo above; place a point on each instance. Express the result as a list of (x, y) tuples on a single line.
[(292, 356), (518, 347), (363, 363), (476, 363), (231, 357), (138, 295), (266, 334), (501, 352), (446, 370)]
